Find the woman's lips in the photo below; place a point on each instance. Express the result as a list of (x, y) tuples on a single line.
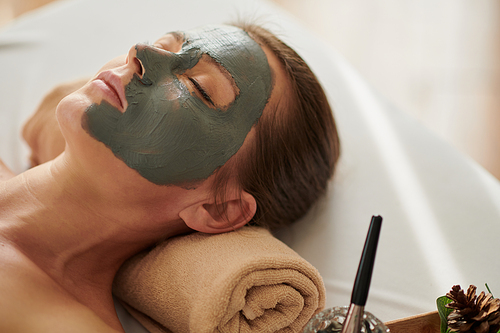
[(112, 86)]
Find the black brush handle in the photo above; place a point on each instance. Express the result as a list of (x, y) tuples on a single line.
[(365, 268)]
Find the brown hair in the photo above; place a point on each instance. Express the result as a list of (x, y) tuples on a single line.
[(296, 145)]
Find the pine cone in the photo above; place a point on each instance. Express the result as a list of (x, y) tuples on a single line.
[(471, 313)]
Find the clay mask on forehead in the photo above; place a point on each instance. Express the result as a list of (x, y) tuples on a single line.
[(169, 135)]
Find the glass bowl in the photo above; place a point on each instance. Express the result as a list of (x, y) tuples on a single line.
[(331, 320)]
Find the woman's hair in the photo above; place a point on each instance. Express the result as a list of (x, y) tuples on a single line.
[(296, 145)]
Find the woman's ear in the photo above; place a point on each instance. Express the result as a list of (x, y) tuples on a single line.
[(213, 217)]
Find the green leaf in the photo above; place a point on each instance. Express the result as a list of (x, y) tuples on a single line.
[(489, 292), (443, 312)]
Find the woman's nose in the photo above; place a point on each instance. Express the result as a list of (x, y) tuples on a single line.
[(134, 62)]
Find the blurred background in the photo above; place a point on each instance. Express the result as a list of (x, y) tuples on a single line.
[(437, 60)]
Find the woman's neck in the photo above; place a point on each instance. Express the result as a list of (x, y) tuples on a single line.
[(67, 229)]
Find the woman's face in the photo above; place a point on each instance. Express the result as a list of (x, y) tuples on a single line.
[(178, 110)]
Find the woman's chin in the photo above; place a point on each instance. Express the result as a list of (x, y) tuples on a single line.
[(70, 110)]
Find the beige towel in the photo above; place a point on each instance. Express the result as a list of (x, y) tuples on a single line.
[(241, 281)]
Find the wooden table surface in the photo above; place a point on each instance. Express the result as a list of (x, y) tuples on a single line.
[(422, 323)]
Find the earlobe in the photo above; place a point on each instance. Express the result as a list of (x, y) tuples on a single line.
[(211, 217)]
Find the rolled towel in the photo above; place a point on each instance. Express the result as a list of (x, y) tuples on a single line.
[(240, 281)]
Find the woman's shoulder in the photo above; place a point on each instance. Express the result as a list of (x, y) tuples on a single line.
[(30, 301), (5, 172)]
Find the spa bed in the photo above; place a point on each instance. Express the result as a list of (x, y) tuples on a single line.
[(441, 210)]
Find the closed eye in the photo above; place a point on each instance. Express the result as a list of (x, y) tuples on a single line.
[(201, 91)]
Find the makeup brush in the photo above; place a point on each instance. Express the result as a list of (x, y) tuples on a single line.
[(354, 317)]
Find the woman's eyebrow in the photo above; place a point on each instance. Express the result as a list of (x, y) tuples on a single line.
[(178, 35)]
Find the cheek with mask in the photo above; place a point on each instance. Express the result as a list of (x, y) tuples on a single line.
[(167, 134)]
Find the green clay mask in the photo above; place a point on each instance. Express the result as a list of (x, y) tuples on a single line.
[(167, 134)]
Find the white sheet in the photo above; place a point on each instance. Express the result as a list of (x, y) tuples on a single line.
[(441, 210)]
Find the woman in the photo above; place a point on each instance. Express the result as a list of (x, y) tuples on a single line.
[(207, 131)]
